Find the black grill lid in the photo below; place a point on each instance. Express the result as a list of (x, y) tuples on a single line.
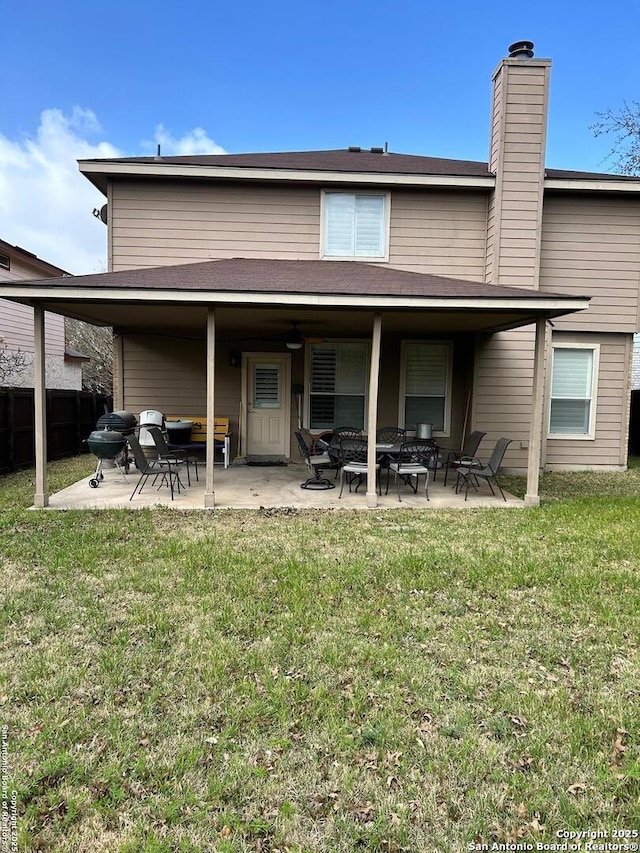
[(123, 422)]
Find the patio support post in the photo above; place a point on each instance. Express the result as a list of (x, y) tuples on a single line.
[(209, 495), (532, 498), (41, 496), (374, 372)]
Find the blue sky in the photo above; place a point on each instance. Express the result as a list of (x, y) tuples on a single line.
[(81, 79)]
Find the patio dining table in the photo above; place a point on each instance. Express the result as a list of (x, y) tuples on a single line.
[(382, 449), (385, 453)]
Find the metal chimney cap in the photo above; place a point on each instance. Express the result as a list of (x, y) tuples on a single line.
[(521, 50)]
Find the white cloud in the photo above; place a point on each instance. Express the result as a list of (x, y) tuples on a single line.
[(46, 204), (195, 141)]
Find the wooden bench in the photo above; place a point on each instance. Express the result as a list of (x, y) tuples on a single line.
[(221, 435)]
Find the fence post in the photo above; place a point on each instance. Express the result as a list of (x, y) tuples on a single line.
[(78, 424), (11, 442)]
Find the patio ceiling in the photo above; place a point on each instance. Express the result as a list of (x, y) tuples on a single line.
[(264, 297)]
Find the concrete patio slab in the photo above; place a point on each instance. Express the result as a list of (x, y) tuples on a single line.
[(246, 487)]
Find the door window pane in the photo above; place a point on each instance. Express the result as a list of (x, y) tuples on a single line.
[(266, 386)]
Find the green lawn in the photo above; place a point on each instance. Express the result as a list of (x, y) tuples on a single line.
[(321, 681)]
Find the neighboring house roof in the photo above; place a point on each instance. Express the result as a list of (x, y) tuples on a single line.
[(339, 161), (71, 354), (31, 259)]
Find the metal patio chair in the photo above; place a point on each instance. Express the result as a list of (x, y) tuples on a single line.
[(413, 461), (471, 470), (389, 435), (469, 450), (316, 463), (176, 455), (353, 463), (166, 469)]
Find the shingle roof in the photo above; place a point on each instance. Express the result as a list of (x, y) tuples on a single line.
[(313, 277), (343, 160), (30, 258)]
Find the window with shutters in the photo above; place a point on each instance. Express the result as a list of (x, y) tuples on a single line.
[(426, 385), (355, 225), (573, 381), (338, 377)]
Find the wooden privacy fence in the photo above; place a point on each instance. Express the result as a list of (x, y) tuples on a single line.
[(71, 416)]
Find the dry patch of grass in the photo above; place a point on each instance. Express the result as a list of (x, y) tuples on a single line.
[(341, 681)]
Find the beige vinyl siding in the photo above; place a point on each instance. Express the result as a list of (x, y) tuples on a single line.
[(609, 448), (497, 121), (591, 247), (16, 329), (164, 223), (517, 142), (16, 321), (439, 233), (502, 399), (169, 375), (157, 223), (502, 391), (165, 374)]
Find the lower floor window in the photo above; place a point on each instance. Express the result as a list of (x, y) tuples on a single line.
[(338, 382), (572, 390), (427, 384)]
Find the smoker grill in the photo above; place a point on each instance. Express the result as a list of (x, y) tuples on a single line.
[(122, 422), (108, 441)]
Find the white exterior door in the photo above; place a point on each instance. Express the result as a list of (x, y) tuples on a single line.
[(267, 404)]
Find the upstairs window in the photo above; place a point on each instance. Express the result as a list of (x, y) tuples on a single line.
[(338, 383), (5, 262), (573, 380), (354, 225)]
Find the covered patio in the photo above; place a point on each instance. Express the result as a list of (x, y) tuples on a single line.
[(247, 487), (228, 311)]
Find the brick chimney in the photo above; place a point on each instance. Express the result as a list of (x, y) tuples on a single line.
[(517, 157)]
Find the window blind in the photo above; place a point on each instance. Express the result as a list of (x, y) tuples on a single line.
[(572, 372), (354, 225), (426, 369), (426, 378), (571, 391), (339, 368), (337, 384)]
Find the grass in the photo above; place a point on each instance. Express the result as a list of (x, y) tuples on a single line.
[(321, 681)]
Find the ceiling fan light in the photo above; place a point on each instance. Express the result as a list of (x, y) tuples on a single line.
[(294, 339)]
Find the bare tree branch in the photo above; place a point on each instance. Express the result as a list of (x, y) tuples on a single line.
[(624, 124), (96, 342), (13, 363)]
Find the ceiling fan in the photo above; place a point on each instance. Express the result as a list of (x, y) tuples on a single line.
[(294, 339)]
